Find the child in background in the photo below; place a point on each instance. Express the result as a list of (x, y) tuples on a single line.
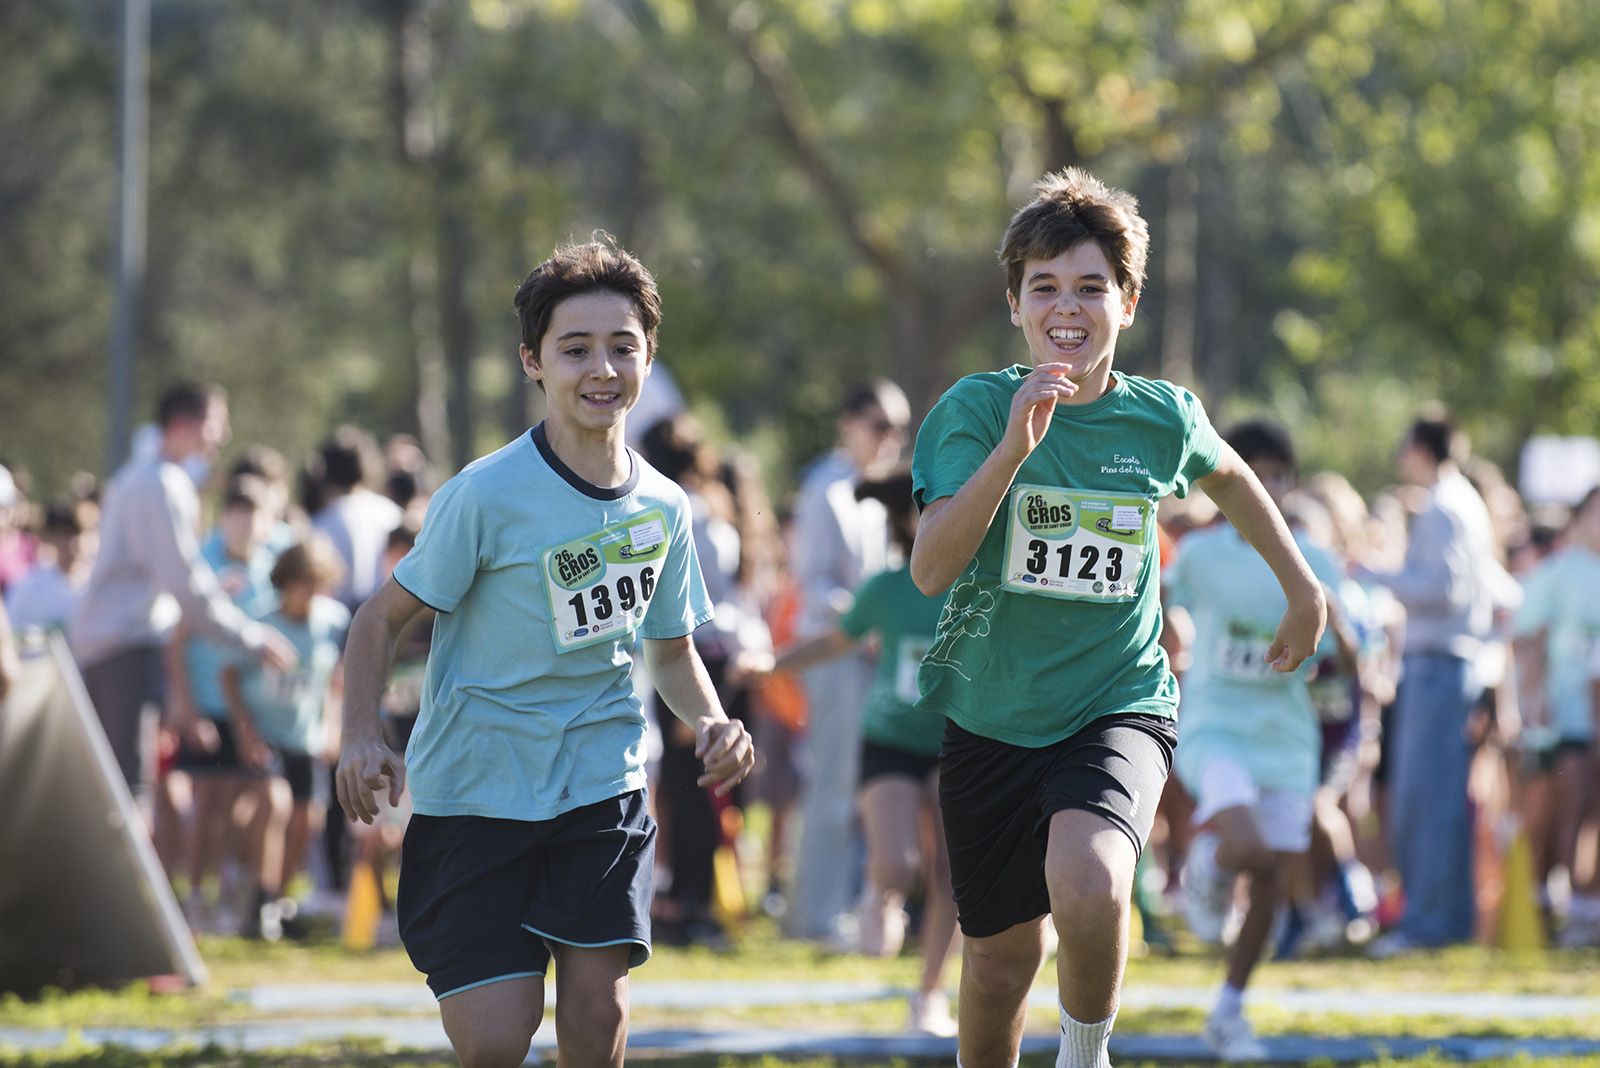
[(46, 597), (282, 726), (898, 790), (205, 779)]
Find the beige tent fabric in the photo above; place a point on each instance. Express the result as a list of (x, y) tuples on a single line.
[(83, 900)]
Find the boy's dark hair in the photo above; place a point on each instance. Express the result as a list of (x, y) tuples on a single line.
[(186, 400), (247, 491), (403, 536), (349, 458), (894, 493), (1069, 206), (1262, 439), (1434, 431), (262, 461), (573, 269), (314, 559)]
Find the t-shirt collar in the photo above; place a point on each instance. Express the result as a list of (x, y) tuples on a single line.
[(578, 482), (1118, 387)]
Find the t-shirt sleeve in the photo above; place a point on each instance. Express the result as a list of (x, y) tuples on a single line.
[(441, 566), (1202, 446), (952, 443), (680, 603)]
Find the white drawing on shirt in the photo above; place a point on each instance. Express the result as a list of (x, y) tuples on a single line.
[(970, 620)]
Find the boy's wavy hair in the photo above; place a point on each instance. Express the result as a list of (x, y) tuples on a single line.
[(1070, 205), (599, 264)]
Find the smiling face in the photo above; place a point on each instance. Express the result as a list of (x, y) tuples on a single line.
[(1071, 310), (592, 361)]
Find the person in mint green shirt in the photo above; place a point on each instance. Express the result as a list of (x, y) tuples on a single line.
[(1249, 737), (1557, 632), (899, 772), (1039, 485), (279, 726), (549, 565)]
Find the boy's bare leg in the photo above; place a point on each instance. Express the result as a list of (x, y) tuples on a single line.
[(1089, 867), (492, 1026), (996, 973), (591, 1006), (1240, 848)]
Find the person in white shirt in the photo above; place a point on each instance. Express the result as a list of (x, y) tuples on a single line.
[(47, 597), (356, 518)]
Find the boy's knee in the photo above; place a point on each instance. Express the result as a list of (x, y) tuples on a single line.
[(504, 1046), (1085, 892), (590, 1029), (896, 873), (1001, 971)]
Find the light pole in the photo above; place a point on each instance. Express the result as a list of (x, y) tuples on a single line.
[(133, 115)]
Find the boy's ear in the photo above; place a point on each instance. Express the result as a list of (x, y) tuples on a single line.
[(1016, 310), (530, 362), (1128, 307)]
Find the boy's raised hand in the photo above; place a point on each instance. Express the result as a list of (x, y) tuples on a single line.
[(1034, 405), (724, 746), (365, 765), (1298, 632)]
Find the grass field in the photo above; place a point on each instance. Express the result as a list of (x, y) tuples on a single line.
[(761, 957)]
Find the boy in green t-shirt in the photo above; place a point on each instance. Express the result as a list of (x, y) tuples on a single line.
[(1039, 488)]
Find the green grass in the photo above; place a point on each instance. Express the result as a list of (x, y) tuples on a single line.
[(761, 956)]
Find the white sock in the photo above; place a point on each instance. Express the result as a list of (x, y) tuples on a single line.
[(1083, 1045), (1230, 1001)]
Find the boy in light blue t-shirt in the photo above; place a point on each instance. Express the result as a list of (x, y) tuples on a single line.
[(1248, 736), (546, 562)]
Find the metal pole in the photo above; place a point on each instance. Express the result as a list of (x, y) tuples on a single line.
[(133, 111)]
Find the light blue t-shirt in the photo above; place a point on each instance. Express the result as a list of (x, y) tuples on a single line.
[(1562, 598), (544, 584), (288, 707), (1234, 703), (250, 587)]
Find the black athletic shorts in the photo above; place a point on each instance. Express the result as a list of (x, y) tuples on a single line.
[(880, 760), (295, 768), (483, 900), (224, 760), (997, 800)]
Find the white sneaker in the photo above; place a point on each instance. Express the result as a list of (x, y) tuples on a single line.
[(1207, 890), (930, 1015), (1231, 1039)]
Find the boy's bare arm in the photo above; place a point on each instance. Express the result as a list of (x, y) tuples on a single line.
[(366, 763), (952, 528), (723, 745), (1242, 500)]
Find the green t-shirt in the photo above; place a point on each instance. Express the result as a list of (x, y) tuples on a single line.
[(890, 605), (1056, 620)]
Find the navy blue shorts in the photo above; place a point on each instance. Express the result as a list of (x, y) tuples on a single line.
[(997, 801), (878, 761), (483, 900), (224, 760)]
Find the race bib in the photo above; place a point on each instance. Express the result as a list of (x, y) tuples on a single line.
[(912, 649), (1241, 654), (600, 586), (1081, 545)]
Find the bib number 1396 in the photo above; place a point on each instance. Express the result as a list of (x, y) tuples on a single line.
[(600, 586)]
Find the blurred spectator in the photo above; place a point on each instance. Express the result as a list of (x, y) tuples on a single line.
[(1557, 632), (1448, 586), (677, 448), (282, 728), (149, 573), (47, 597), (409, 480), (356, 519), (267, 464), (838, 541), (10, 661), (17, 546)]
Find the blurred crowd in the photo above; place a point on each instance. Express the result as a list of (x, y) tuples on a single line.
[(1466, 718)]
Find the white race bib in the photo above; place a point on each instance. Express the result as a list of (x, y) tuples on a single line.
[(912, 649), (600, 586), (1082, 545), (1241, 654)]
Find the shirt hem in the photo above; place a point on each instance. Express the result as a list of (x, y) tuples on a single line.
[(1147, 707), (525, 813)]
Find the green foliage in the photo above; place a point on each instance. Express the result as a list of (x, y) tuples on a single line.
[(1395, 201)]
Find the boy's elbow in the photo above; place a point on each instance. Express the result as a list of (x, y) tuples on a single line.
[(924, 577)]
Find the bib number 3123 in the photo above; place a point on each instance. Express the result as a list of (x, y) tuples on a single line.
[(600, 586), (1079, 545)]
